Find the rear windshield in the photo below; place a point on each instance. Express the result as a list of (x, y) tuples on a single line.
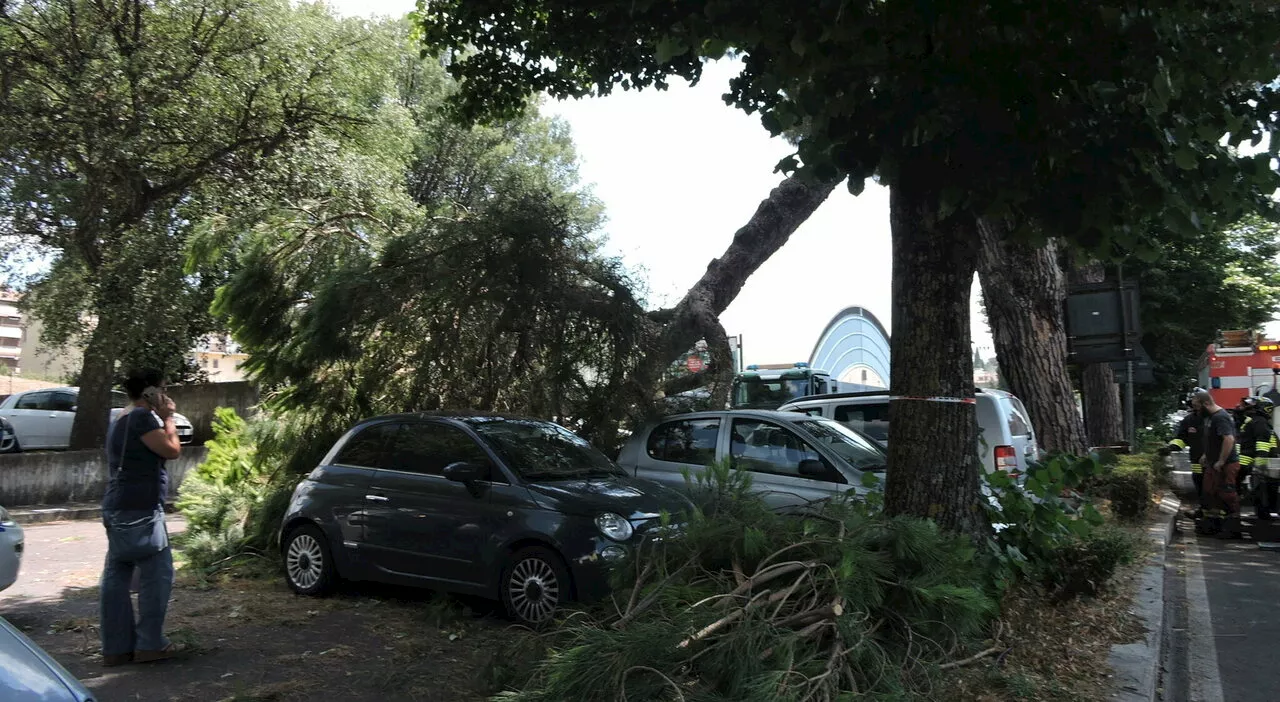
[(870, 419), (1019, 422)]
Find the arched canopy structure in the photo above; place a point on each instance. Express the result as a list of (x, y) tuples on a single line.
[(854, 348)]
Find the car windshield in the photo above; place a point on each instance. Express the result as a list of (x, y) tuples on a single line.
[(759, 392), (542, 450), (859, 452)]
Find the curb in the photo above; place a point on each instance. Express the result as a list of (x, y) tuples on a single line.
[(1136, 666), (63, 513)]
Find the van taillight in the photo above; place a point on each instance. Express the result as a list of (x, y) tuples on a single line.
[(1007, 459)]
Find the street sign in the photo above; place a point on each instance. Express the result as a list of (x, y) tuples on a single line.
[(1102, 322), (694, 364)]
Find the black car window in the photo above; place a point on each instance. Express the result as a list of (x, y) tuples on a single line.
[(119, 400), (764, 447), (685, 441), (427, 448), (63, 402), (35, 401), (872, 420), (369, 448)]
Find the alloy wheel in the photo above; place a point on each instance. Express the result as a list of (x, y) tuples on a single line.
[(305, 561), (534, 590)]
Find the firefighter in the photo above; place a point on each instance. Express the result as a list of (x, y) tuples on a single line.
[(1254, 434), (1221, 462), (1258, 442), (1189, 437)]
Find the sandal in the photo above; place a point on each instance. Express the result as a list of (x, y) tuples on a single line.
[(173, 650), (117, 659)]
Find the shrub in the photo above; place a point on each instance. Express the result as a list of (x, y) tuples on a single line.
[(1084, 565), (752, 605), (230, 498), (1128, 485)]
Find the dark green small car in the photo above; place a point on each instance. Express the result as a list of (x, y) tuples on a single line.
[(518, 510)]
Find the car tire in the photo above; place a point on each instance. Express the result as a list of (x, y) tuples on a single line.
[(14, 448), (308, 561), (534, 585)]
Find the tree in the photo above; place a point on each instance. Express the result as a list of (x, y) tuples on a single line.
[(122, 123), (1226, 278), (965, 109), (494, 297), (1023, 291)]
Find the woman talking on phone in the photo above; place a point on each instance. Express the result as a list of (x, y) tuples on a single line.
[(139, 441)]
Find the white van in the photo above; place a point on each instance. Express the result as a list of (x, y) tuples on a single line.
[(1006, 439)]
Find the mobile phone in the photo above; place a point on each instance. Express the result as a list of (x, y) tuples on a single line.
[(154, 397)]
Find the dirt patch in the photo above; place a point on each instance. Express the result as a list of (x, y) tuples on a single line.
[(1056, 652), (253, 639)]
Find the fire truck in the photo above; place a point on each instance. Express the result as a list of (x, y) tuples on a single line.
[(1240, 364)]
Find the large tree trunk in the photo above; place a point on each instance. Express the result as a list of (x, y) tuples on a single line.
[(933, 467), (697, 315), (1100, 395), (1023, 290), (97, 374)]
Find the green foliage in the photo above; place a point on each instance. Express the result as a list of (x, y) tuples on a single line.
[(489, 291), (1085, 564), (1225, 277), (749, 604), (234, 500), (883, 88), (1128, 486), (124, 126), (1036, 517)]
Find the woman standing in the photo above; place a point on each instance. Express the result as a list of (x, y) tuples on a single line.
[(138, 443)]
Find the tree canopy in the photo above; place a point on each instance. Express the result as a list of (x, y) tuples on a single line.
[(122, 125), (1083, 123), (1226, 278)]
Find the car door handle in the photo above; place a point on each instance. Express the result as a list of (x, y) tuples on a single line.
[(376, 498)]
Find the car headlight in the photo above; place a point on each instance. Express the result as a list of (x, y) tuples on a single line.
[(614, 526), (5, 519)]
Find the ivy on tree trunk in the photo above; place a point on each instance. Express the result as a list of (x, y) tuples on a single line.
[(933, 267), (1023, 290)]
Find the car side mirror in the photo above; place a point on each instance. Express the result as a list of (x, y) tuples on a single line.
[(812, 469), (464, 472)]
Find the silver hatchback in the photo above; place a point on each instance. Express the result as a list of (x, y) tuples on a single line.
[(793, 459)]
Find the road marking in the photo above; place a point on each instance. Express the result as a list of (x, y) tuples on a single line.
[(1206, 680)]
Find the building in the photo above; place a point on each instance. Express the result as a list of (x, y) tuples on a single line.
[(47, 363), (220, 358), (11, 331)]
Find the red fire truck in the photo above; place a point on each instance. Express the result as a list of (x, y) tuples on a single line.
[(1240, 364)]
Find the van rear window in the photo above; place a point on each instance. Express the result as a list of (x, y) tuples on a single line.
[(1019, 422), (870, 419)]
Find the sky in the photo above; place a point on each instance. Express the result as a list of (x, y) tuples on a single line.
[(679, 172)]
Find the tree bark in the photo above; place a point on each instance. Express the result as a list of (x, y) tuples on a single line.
[(1100, 395), (697, 315), (93, 403), (1024, 290), (933, 467)]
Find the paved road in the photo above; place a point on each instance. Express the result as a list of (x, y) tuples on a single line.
[(63, 555), (1224, 608)]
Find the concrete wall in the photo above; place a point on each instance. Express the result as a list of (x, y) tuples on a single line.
[(61, 477), (198, 402)]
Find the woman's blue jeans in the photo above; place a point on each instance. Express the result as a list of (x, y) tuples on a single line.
[(121, 633)]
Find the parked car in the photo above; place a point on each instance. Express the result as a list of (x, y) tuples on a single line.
[(794, 459), (41, 419), (11, 545), (1006, 439), (31, 675), (517, 510)]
